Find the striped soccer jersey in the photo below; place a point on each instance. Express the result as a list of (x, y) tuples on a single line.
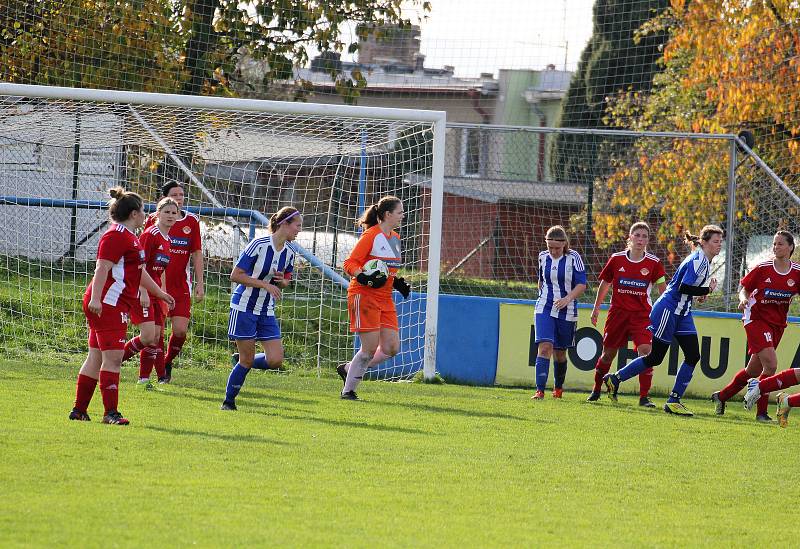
[(261, 260), (694, 270), (557, 278)]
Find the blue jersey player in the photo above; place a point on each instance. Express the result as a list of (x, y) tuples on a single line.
[(562, 279), (263, 269), (671, 319)]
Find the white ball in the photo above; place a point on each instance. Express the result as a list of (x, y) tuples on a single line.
[(375, 265)]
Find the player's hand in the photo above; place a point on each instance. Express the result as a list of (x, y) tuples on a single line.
[(561, 303), (402, 286), (199, 292), (273, 290), (702, 299), (742, 304), (168, 299), (712, 285), (144, 299), (375, 280), (95, 306), (595, 316), (279, 280)]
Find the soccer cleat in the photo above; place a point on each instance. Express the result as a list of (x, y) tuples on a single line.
[(678, 409), (77, 415), (228, 406), (594, 396), (645, 402), (234, 359), (115, 418), (349, 395), (783, 409), (612, 385), (168, 370), (164, 380), (764, 418), (753, 394), (558, 392), (340, 369), (144, 385), (719, 404), (538, 395)]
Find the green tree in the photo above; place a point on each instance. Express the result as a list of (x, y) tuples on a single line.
[(187, 46), (614, 60)]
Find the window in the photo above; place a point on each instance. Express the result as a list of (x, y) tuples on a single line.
[(470, 152)]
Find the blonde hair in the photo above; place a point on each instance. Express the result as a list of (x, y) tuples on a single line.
[(635, 227), (557, 232), (164, 202)]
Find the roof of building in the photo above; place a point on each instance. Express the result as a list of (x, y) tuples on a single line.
[(505, 190)]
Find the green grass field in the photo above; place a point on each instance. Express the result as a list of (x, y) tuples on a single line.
[(412, 465)]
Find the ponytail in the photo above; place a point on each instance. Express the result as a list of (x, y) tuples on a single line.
[(375, 213), (123, 203)]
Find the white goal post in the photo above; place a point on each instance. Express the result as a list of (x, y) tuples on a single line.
[(240, 159)]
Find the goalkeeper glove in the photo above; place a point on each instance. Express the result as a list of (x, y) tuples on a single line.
[(402, 286), (375, 280)]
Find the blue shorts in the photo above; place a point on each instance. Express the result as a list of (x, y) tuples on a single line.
[(665, 324), (246, 325), (559, 332)]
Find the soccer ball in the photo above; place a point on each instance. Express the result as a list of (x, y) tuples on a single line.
[(375, 265)]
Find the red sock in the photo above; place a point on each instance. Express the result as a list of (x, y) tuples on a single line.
[(174, 348), (132, 347), (763, 400), (794, 400), (84, 392), (161, 370), (737, 384), (785, 379), (600, 369), (109, 388), (645, 382), (147, 360)]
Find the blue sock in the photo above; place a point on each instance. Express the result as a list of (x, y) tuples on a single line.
[(235, 382), (682, 380), (260, 362), (559, 374), (633, 369), (542, 371)]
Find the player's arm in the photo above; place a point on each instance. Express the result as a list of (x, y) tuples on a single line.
[(661, 285), (101, 270), (198, 267), (240, 276), (602, 292), (746, 287), (149, 285), (353, 265)]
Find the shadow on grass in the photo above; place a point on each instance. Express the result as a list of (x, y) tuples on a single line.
[(702, 415), (341, 423), (249, 402), (416, 406), (259, 392), (220, 436)]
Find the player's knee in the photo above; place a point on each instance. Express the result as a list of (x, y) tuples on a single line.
[(148, 340), (275, 363), (391, 350), (769, 369), (179, 332), (692, 359), (545, 349)]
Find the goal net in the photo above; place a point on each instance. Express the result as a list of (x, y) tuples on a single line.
[(239, 161)]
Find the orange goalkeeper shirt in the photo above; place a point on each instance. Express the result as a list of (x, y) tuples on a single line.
[(374, 244)]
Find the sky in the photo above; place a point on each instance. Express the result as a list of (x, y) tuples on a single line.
[(478, 36), (483, 36)]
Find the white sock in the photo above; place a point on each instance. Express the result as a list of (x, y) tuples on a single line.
[(356, 371)]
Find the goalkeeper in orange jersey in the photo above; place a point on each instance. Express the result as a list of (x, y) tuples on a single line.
[(369, 298)]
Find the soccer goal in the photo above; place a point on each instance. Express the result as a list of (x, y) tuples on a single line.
[(239, 161)]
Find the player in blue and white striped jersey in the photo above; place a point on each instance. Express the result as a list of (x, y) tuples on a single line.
[(562, 279), (263, 269), (671, 318)]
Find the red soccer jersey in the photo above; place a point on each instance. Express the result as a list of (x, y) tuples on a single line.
[(121, 247), (770, 293), (156, 252), (184, 239), (632, 280)]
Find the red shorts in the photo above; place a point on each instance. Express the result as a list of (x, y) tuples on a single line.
[(761, 335), (108, 331), (368, 314), (183, 306), (622, 326), (153, 313)]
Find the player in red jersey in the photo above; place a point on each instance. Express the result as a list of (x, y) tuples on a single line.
[(149, 312), (114, 288), (185, 245), (765, 295), (630, 275)]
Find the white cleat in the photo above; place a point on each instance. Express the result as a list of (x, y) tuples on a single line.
[(752, 395)]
